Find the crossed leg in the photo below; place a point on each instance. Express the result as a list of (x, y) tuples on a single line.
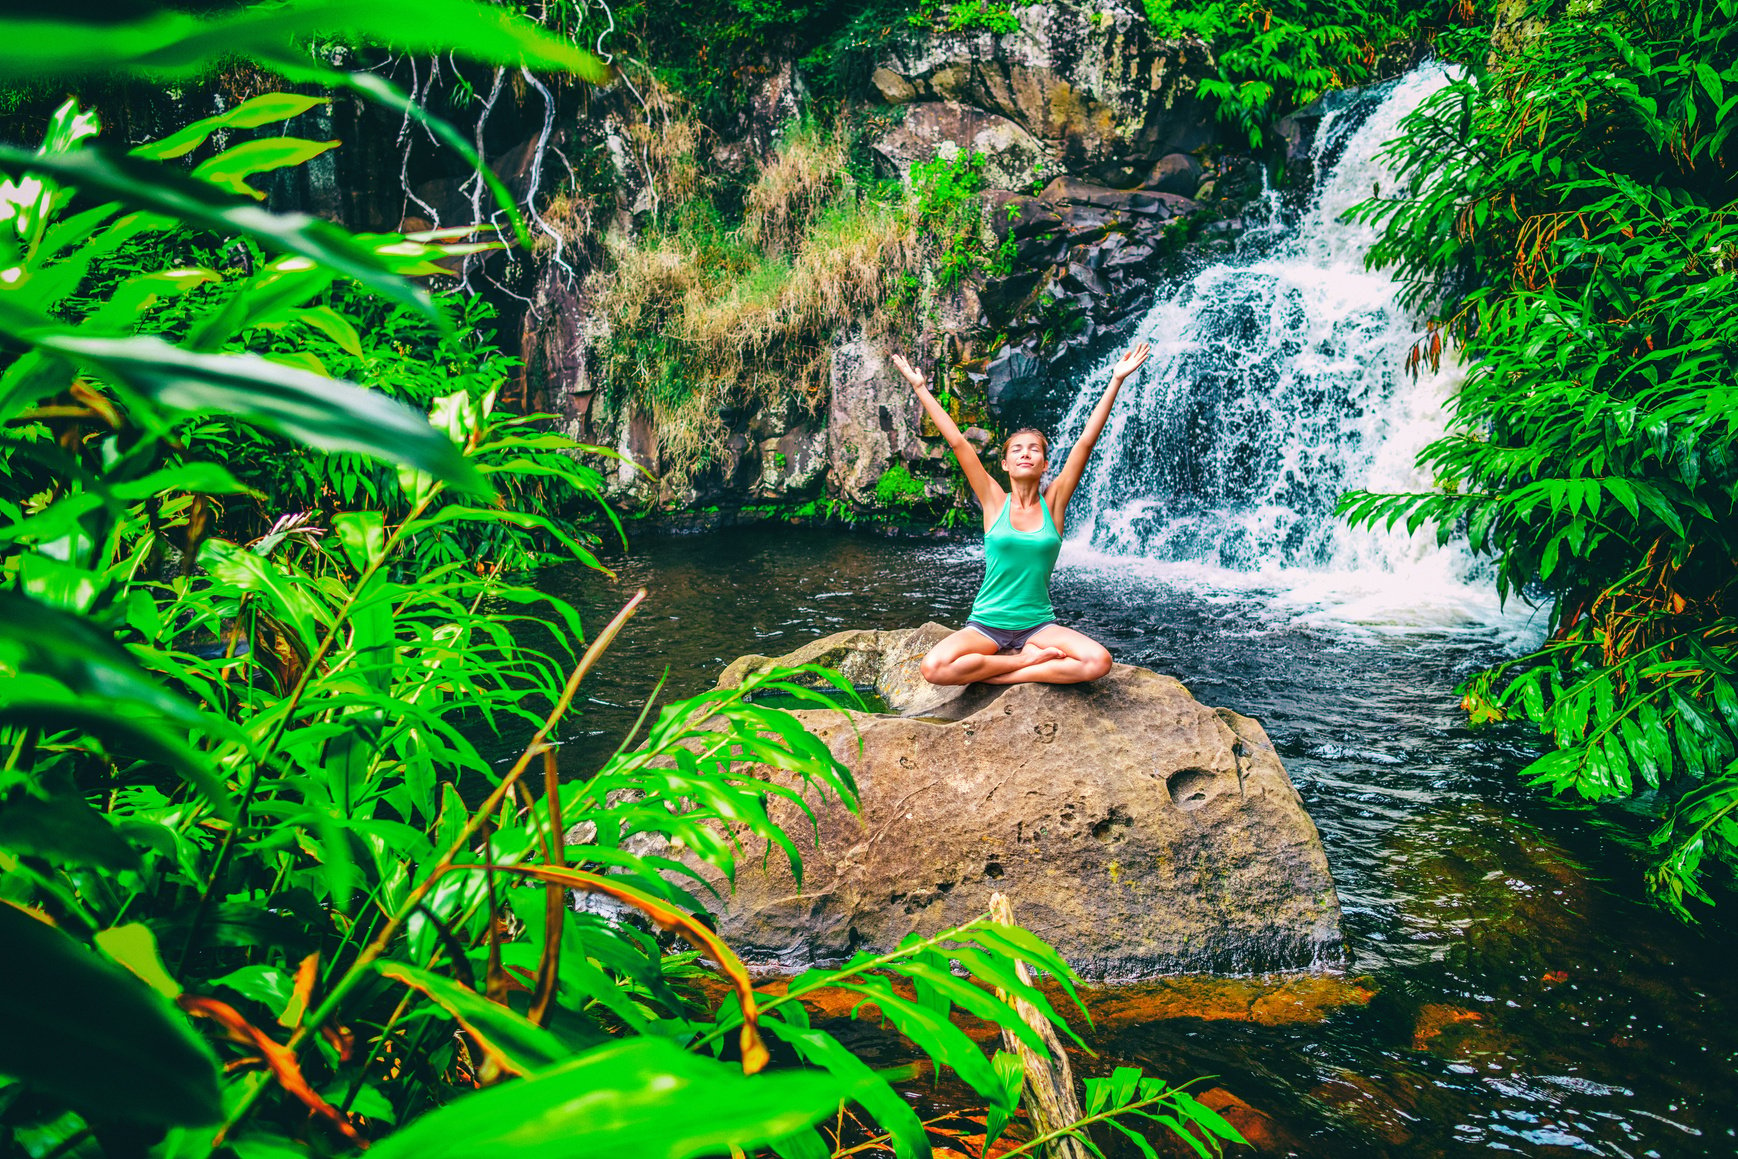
[(1055, 655)]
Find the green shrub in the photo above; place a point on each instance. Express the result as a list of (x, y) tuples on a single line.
[(898, 487), (1574, 222), (945, 190), (1278, 56), (989, 15)]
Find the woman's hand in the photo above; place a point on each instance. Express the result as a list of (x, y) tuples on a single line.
[(911, 373), (1130, 363)]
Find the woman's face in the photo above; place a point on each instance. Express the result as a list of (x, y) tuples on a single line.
[(1024, 458)]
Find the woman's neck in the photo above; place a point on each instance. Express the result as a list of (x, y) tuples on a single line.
[(1024, 492)]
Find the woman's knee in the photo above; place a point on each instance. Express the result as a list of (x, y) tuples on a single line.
[(935, 670), (1097, 662)]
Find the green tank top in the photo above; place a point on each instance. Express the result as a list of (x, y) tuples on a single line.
[(1017, 567)]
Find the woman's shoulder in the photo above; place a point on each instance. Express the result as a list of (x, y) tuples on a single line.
[(993, 505)]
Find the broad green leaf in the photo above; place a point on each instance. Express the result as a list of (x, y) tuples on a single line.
[(320, 412), (1012, 1070), (84, 1030), (135, 947), (333, 325), (362, 534), (196, 478), (869, 1090), (61, 827), (162, 188), (1208, 1118), (267, 985), (643, 1097), (252, 573), (172, 44)]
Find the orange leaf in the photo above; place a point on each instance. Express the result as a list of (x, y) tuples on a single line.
[(281, 1059), (297, 1007)]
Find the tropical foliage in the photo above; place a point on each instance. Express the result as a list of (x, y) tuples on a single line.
[(286, 851), (1573, 217), (1278, 56)]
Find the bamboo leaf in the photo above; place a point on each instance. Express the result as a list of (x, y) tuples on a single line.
[(68, 674), (869, 1090)]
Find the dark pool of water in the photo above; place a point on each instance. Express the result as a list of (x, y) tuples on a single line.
[(1528, 997)]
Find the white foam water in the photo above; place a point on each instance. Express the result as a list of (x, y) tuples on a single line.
[(1276, 384)]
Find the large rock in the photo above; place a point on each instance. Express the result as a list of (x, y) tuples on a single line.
[(1087, 77), (1138, 830), (873, 418), (1013, 158)]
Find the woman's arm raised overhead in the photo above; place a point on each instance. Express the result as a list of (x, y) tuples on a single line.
[(988, 491), (1062, 489)]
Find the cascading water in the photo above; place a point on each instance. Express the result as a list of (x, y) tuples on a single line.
[(1276, 384)]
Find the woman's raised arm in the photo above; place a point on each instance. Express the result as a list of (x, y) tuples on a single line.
[(985, 488), (1062, 490)]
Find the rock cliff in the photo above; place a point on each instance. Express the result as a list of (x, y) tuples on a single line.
[(1137, 829), (1095, 149)]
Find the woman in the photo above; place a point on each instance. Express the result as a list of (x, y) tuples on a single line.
[(1011, 636)]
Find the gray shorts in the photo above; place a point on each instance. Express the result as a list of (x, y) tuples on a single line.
[(1005, 640)]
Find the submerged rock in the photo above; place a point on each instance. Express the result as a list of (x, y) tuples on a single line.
[(1138, 830)]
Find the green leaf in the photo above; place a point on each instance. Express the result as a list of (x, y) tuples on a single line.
[(1140, 1142), (70, 675), (519, 1044), (362, 534), (805, 1144), (1208, 1118), (333, 325), (135, 947), (1012, 1069), (97, 170), (194, 478), (869, 1090), (230, 169), (62, 828), (267, 985), (84, 1030), (643, 1097), (265, 109), (172, 44), (250, 572), (319, 412)]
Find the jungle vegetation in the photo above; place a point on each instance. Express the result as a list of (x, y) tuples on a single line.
[(286, 844), (1572, 219)]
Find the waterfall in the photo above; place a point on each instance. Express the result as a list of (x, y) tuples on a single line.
[(1276, 383)]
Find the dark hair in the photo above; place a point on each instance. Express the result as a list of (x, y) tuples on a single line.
[(1043, 440)]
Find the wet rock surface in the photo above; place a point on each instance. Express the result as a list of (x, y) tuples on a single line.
[(1090, 80), (1140, 831)]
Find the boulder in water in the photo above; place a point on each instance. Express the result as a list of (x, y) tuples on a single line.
[(1137, 829)]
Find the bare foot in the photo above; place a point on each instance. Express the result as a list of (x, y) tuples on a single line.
[(1033, 654)]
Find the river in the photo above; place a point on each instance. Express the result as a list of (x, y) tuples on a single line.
[(1523, 992)]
